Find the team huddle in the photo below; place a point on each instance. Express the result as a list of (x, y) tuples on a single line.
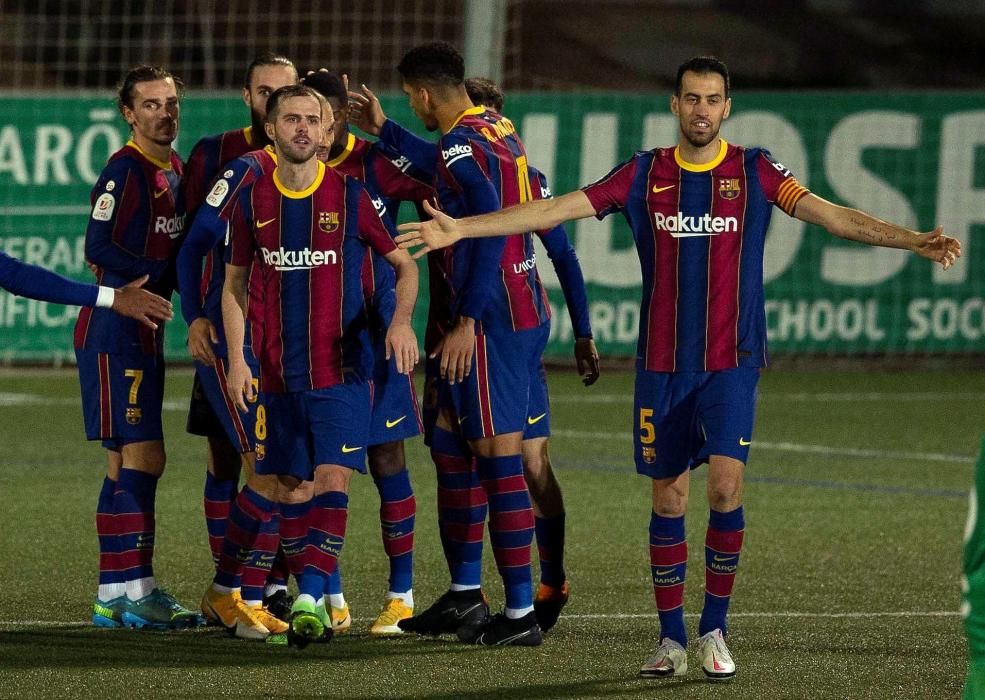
[(298, 293)]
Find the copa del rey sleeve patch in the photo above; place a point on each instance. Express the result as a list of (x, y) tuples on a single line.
[(103, 209), (218, 193)]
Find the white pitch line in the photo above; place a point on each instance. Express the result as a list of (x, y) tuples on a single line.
[(604, 616), (794, 447), (46, 210), (820, 397)]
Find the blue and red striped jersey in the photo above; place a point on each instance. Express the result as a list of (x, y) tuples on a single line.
[(137, 220), (208, 157), (201, 287), (482, 167), (308, 248), (700, 232)]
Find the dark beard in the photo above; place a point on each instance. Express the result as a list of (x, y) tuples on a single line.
[(260, 139)]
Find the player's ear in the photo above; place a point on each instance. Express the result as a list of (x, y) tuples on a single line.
[(268, 129), (728, 108), (246, 96), (674, 105)]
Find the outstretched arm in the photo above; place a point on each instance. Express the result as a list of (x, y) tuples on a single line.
[(443, 230), (856, 225)]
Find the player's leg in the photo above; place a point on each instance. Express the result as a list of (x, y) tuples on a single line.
[(462, 508), (336, 422), (726, 410), (107, 610), (665, 436)]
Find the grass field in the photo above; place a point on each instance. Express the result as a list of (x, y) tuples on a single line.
[(855, 502)]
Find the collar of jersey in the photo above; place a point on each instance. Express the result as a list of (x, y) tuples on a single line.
[(248, 135), (163, 165), (306, 192), (350, 143), (467, 113), (271, 152), (703, 167)]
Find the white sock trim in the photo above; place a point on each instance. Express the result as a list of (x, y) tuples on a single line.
[(516, 613)]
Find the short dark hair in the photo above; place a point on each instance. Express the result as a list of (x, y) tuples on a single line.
[(702, 65), (285, 93), (330, 85), (144, 74), (437, 63), (483, 91), (268, 58)]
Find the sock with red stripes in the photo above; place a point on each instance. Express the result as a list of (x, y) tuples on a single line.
[(279, 571), (248, 514), (326, 535), (462, 507), (511, 527), (668, 565), (293, 534), (134, 502), (111, 582), (723, 542), (256, 572), (398, 508), (550, 546), (218, 498)]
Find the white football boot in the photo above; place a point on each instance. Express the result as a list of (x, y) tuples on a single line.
[(670, 660), (716, 661)]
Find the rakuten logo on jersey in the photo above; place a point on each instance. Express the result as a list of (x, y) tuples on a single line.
[(456, 152), (305, 259), (681, 226), (172, 226)]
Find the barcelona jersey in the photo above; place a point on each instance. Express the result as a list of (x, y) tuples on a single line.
[(137, 220), (482, 167), (308, 248), (208, 157), (700, 232)]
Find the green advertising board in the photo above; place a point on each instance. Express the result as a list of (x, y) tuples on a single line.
[(917, 159)]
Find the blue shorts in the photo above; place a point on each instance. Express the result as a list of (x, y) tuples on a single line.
[(211, 413), (429, 404), (538, 407), (299, 430), (395, 415), (121, 396), (682, 418), (493, 398)]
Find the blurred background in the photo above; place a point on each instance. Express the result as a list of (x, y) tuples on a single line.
[(877, 104)]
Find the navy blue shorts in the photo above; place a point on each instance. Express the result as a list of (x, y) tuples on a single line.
[(493, 399), (395, 414), (429, 404), (212, 413), (538, 407), (122, 395), (682, 418), (297, 431)]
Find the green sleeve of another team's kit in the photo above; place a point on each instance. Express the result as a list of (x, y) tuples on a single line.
[(973, 581)]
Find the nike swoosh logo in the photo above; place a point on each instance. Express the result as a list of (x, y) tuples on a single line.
[(391, 423), (160, 193), (534, 421), (261, 224), (744, 442), (464, 613), (267, 557), (719, 558), (658, 190), (664, 572), (346, 449), (462, 419)]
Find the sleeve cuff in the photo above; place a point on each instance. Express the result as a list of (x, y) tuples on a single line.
[(105, 297)]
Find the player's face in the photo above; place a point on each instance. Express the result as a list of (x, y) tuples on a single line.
[(297, 131), (263, 82), (154, 115), (329, 126), (701, 107), (420, 102)]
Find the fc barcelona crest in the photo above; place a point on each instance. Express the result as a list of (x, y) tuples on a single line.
[(133, 416), (328, 221), (728, 187)]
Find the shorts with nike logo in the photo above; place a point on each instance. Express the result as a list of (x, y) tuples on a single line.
[(299, 430), (680, 419), (494, 398), (395, 415), (538, 408)]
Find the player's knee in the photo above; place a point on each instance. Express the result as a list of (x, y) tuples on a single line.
[(536, 461), (224, 460), (332, 478), (725, 495), (670, 497), (386, 460), (268, 486), (289, 485)]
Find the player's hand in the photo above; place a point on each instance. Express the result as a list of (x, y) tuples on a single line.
[(201, 337), (440, 232), (456, 350), (938, 247), (401, 342), (365, 110), (587, 360), (239, 381), (132, 301)]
